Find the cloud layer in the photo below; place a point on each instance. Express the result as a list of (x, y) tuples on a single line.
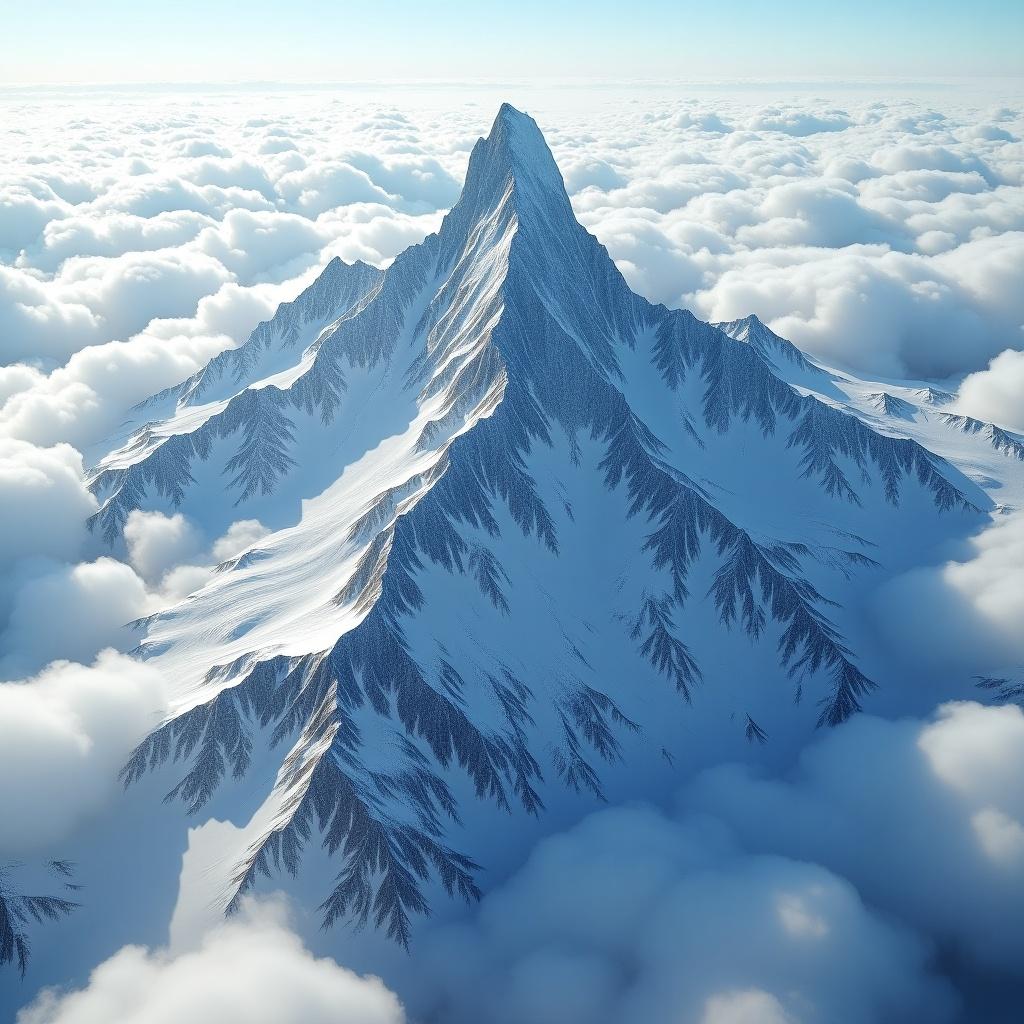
[(139, 238), (141, 235), (821, 894)]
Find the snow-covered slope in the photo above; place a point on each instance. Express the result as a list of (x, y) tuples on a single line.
[(528, 529)]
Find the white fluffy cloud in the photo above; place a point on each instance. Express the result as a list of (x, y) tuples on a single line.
[(96, 299), (190, 196), (85, 400), (71, 611), (60, 596), (64, 734), (941, 802), (635, 916), (869, 307), (44, 500), (57, 600), (820, 894), (996, 394), (252, 968), (965, 613), (157, 543), (241, 534)]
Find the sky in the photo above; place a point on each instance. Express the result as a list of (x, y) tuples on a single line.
[(318, 41)]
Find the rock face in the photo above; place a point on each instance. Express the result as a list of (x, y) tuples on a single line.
[(527, 527)]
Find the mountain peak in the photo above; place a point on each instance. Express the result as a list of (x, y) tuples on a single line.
[(519, 126), (495, 439), (514, 155)]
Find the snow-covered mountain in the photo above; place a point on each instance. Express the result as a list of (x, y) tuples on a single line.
[(530, 532)]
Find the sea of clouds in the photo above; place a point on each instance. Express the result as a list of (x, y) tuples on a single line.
[(142, 232)]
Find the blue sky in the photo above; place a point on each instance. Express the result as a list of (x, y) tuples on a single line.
[(333, 40)]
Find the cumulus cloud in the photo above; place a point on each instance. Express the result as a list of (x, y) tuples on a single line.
[(97, 299), (794, 121), (869, 308), (590, 173), (64, 734), (23, 216), (157, 543), (941, 802), (54, 601), (996, 394), (964, 613), (86, 399), (45, 502), (880, 239), (252, 968), (112, 234), (241, 534), (58, 600), (806, 896), (252, 244), (633, 915), (71, 611)]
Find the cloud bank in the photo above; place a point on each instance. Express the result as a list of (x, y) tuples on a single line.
[(825, 893), (64, 735), (253, 968), (140, 236)]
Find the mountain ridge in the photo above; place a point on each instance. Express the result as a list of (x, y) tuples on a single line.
[(526, 389)]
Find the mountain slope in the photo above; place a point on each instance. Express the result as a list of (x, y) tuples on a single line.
[(525, 523)]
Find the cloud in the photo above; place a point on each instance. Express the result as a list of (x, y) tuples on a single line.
[(996, 394), (253, 244), (589, 173), (46, 489), (59, 601), (421, 181), (821, 213), (112, 234), (252, 968), (728, 183), (95, 299), (866, 307), (745, 1007), (86, 399), (924, 157), (704, 121), (241, 534), (315, 190), (171, 556), (71, 611), (964, 614), (64, 734), (799, 122), (940, 801), (23, 217), (157, 543), (800, 896), (633, 915)]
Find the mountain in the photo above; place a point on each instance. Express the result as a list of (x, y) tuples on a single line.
[(529, 531)]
